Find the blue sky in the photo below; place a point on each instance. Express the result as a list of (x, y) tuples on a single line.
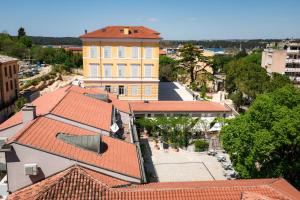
[(174, 19)]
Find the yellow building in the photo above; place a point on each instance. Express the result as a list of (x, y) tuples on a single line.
[(123, 60)]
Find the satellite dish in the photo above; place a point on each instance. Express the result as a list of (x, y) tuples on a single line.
[(114, 128)]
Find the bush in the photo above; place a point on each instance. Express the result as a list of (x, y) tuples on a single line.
[(19, 103), (201, 145)]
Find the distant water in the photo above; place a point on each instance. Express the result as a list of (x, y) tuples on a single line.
[(215, 49)]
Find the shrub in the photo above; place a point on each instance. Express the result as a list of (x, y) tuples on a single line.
[(201, 145)]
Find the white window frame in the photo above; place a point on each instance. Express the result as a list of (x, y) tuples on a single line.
[(147, 90), (107, 52), (93, 52), (145, 74), (120, 52), (137, 70), (124, 70), (90, 71), (134, 90), (105, 68), (148, 52), (135, 50)]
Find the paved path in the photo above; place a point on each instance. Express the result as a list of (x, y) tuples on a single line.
[(171, 166), (173, 91)]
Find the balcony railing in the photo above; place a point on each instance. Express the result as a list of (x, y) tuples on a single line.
[(293, 51), (290, 60), (117, 78)]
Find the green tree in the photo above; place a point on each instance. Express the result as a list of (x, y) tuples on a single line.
[(193, 62), (21, 32), (19, 103), (168, 69), (278, 81), (265, 141)]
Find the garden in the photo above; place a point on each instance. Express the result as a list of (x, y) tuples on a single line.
[(177, 132)]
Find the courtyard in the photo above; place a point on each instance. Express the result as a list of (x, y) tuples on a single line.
[(171, 166)]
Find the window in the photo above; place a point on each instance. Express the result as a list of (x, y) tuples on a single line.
[(135, 70), (134, 90), (147, 90), (148, 52), (15, 71), (107, 70), (5, 70), (6, 86), (10, 72), (121, 52), (148, 71), (93, 52), (108, 88), (121, 70), (93, 70), (107, 52), (16, 83), (134, 52), (11, 84), (121, 90)]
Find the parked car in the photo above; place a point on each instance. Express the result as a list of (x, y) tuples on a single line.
[(212, 152), (226, 165), (221, 158), (231, 174)]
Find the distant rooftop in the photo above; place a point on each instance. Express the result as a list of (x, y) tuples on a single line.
[(4, 59), (133, 32)]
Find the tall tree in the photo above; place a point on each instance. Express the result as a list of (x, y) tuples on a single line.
[(21, 32), (194, 62), (265, 141)]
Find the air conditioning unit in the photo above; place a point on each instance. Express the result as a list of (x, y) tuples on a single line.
[(31, 169)]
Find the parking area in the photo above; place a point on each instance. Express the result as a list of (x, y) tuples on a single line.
[(173, 91), (171, 166)]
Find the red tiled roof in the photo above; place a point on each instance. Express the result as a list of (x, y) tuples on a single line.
[(139, 32), (121, 105), (87, 187), (43, 105), (119, 156), (84, 109), (179, 106), (50, 188)]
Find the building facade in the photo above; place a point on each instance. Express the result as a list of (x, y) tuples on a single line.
[(9, 84), (122, 60), (283, 59)]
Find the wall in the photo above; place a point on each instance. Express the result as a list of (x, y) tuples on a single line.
[(128, 81), (49, 164), (8, 96)]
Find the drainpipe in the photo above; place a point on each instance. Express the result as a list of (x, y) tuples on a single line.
[(142, 51), (101, 63)]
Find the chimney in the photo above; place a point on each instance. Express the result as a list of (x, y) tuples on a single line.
[(29, 112), (126, 30), (85, 31)]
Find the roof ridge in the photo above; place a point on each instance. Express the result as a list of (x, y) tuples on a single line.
[(283, 193), (23, 130), (67, 92)]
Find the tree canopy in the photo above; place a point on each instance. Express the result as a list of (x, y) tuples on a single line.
[(168, 69), (265, 141)]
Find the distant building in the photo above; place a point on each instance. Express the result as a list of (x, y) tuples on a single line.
[(74, 50), (283, 59), (124, 60), (9, 84)]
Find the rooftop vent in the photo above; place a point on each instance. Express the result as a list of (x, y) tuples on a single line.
[(102, 97), (126, 30), (85, 31), (146, 101), (88, 142), (135, 31), (103, 30)]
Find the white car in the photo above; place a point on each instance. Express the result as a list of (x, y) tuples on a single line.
[(77, 82), (221, 158)]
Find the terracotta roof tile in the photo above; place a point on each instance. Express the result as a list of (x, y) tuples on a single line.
[(139, 32), (183, 106), (119, 156), (51, 187), (84, 109), (61, 186), (43, 105)]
